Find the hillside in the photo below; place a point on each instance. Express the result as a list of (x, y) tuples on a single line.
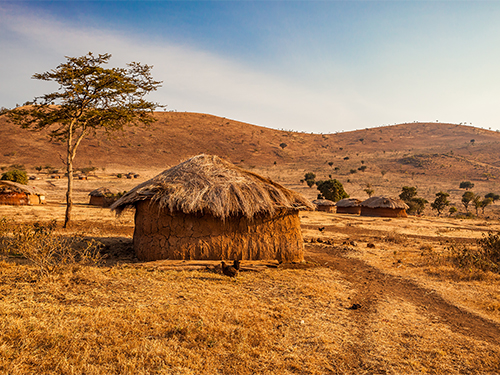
[(431, 156)]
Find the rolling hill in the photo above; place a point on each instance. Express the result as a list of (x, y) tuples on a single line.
[(431, 156)]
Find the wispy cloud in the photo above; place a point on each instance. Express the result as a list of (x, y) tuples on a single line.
[(193, 80), (397, 69)]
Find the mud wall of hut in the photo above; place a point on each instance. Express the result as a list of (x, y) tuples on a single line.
[(330, 209), (14, 198), (166, 235), (349, 210), (383, 212)]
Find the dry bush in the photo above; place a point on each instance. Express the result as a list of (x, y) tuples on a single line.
[(396, 237), (48, 251), (485, 256)]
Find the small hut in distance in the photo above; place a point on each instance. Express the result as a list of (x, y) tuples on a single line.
[(14, 193), (349, 206), (384, 206), (324, 205), (209, 209), (103, 197)]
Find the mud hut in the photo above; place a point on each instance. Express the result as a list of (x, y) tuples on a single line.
[(208, 209), (324, 205), (18, 194), (384, 206), (102, 197), (349, 206)]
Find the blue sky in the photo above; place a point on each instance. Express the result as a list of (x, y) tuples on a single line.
[(315, 66)]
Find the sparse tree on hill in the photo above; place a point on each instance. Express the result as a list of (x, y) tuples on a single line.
[(485, 203), (467, 197), (409, 196), (467, 185), (477, 203), (90, 99), (417, 205), (283, 145), (441, 202), (310, 179), (494, 197), (408, 193)]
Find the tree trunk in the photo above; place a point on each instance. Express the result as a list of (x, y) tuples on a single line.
[(69, 192)]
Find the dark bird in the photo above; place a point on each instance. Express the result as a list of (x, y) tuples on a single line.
[(229, 270), (321, 229), (236, 265)]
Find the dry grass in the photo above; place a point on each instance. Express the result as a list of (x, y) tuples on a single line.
[(131, 319)]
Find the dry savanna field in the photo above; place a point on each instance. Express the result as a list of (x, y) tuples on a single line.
[(374, 295)]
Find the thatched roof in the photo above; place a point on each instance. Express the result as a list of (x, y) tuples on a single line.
[(102, 192), (10, 186), (348, 202), (323, 202), (384, 202), (208, 184)]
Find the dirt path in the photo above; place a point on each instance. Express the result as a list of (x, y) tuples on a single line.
[(373, 285)]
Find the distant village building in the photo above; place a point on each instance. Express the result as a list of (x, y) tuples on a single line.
[(349, 206), (384, 206), (324, 205), (209, 209), (103, 197), (14, 193)]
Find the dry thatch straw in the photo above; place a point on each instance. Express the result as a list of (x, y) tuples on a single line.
[(348, 202), (11, 186), (384, 202), (323, 202), (102, 192), (19, 194), (210, 185)]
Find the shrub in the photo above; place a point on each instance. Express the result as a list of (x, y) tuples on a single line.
[(310, 183), (16, 175), (48, 252), (494, 197), (332, 190), (309, 177), (466, 185), (417, 205), (20, 167), (485, 256)]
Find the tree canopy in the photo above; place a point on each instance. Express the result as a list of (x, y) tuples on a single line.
[(90, 98), (440, 202), (332, 190)]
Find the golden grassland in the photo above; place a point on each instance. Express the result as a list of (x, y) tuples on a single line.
[(131, 318)]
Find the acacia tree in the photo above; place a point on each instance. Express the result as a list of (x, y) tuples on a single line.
[(440, 202), (467, 197), (90, 99)]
